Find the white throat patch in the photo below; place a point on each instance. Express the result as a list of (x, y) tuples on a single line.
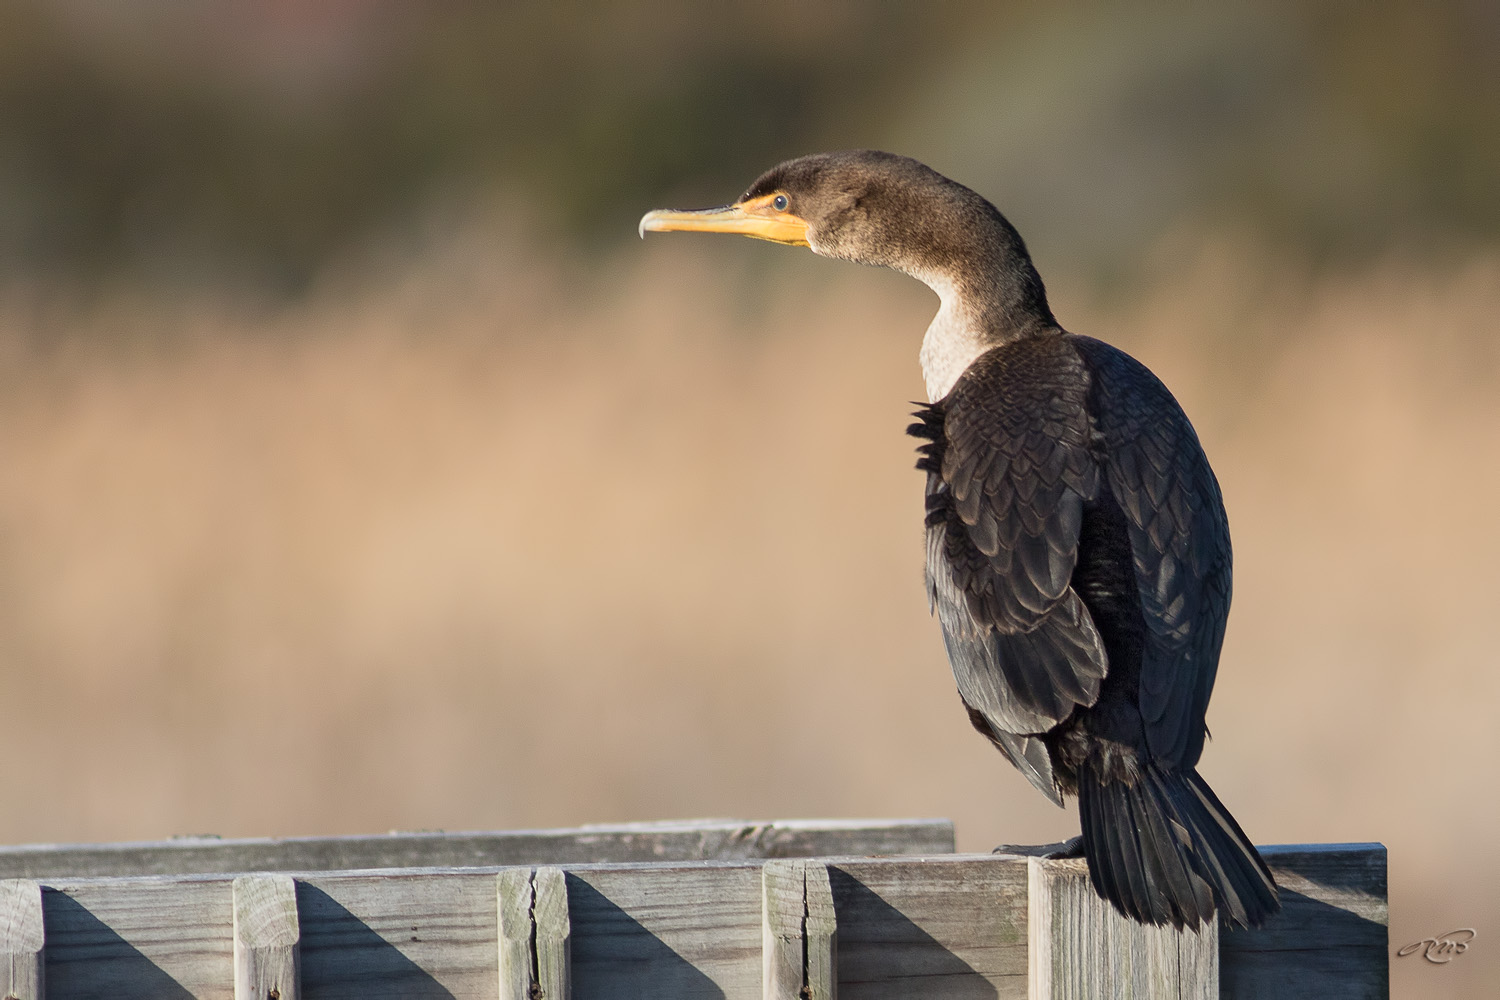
[(953, 340)]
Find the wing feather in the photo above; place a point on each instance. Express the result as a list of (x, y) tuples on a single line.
[(1009, 471), (1179, 539)]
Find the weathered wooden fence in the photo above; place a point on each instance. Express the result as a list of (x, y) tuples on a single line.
[(748, 925), (686, 840)]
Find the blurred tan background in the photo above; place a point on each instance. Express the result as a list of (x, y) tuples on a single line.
[(360, 469)]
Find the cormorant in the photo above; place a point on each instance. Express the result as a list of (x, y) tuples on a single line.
[(1078, 554)]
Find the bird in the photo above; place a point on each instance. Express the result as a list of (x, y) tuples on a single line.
[(1078, 555)]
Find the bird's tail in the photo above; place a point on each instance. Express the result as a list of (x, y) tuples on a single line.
[(1166, 851)]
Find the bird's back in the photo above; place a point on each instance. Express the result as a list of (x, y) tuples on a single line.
[(1159, 490), (1078, 551)]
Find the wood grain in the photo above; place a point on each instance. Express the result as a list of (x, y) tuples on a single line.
[(140, 939), (952, 926), (799, 932), (513, 890), (552, 934), (689, 930), (697, 840), (782, 913), (402, 934), (22, 935), (266, 938), (819, 934), (1082, 949)]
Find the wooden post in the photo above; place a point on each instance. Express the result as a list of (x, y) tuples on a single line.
[(799, 933), (1081, 949), (514, 889), (535, 935), (21, 938), (820, 934), (781, 930), (553, 934), (267, 938)]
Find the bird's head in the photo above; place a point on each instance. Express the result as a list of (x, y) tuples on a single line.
[(860, 205), (878, 208)]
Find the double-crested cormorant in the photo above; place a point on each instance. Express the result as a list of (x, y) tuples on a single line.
[(1077, 550)]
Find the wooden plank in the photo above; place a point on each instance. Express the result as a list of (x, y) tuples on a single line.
[(675, 841), (1082, 949), (782, 912), (845, 838), (799, 932), (535, 935), (266, 938), (406, 934), (940, 927), (690, 930), (819, 934), (22, 934), (1330, 939), (140, 939), (552, 934), (517, 970)]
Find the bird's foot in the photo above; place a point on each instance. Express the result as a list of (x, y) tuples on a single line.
[(1070, 848)]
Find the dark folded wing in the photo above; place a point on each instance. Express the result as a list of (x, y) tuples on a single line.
[(1009, 469), (1179, 539)]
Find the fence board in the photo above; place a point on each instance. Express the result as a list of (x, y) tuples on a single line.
[(553, 938), (1082, 948), (693, 932), (22, 968), (167, 939), (1331, 939), (514, 891), (535, 935), (819, 934), (407, 934), (951, 926), (799, 932), (266, 938), (696, 840)]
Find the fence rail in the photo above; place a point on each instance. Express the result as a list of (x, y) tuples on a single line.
[(939, 926), (688, 840)]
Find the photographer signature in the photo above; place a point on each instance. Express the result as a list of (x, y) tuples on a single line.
[(1440, 950)]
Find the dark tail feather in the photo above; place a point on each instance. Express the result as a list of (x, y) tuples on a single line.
[(1166, 851)]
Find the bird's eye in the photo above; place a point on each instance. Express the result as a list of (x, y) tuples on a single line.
[(779, 203)]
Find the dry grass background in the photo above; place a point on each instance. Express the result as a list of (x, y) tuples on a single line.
[(468, 548)]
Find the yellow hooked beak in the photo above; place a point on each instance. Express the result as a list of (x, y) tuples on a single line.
[(758, 218)]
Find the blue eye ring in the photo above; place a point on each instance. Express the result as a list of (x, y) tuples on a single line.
[(779, 203)]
